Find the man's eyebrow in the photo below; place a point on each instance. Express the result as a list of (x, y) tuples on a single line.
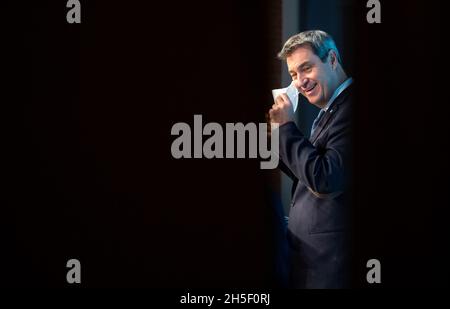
[(300, 67)]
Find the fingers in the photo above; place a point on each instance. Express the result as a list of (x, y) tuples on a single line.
[(275, 110), (282, 102), (282, 110), (282, 98)]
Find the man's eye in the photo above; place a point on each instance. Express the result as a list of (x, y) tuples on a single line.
[(307, 69)]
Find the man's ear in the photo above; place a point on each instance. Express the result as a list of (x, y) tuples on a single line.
[(333, 59)]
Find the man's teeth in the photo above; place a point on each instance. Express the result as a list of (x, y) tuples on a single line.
[(310, 88)]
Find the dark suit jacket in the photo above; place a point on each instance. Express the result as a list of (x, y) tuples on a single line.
[(319, 222)]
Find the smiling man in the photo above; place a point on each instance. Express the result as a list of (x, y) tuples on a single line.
[(319, 225)]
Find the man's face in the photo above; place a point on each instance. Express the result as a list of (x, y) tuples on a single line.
[(314, 79)]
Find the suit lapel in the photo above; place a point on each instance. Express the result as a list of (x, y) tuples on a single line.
[(329, 114), (323, 122)]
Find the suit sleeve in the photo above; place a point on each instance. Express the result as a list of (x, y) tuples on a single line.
[(323, 169)]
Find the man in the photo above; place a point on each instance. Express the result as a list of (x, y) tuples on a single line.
[(319, 222)]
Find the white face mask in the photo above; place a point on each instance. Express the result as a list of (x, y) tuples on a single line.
[(291, 92)]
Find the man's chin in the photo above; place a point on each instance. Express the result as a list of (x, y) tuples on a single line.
[(316, 102), (313, 100)]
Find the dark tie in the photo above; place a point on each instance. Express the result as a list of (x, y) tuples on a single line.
[(316, 121)]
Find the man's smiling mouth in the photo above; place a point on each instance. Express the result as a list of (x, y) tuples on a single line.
[(310, 89)]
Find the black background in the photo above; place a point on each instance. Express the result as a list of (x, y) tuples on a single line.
[(401, 128), (89, 174)]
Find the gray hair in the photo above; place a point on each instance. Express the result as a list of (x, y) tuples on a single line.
[(320, 42)]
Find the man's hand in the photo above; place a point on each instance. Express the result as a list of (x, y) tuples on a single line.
[(282, 111)]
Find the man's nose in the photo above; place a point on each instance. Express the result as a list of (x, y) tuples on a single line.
[(301, 83)]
